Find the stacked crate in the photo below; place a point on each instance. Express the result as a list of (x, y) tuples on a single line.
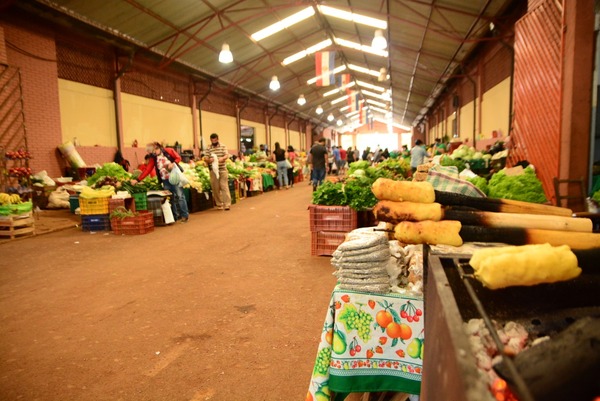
[(329, 226), (94, 214)]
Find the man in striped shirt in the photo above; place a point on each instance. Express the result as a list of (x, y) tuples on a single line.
[(220, 184)]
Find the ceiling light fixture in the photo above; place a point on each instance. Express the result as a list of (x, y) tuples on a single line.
[(362, 48), (379, 41), (382, 74), (354, 17), (301, 100), (345, 108), (225, 56), (274, 84), (304, 53), (319, 110), (330, 117), (339, 123), (284, 23)]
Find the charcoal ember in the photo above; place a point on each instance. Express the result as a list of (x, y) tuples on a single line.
[(566, 367)]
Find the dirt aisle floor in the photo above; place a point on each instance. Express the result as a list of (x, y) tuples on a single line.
[(227, 307)]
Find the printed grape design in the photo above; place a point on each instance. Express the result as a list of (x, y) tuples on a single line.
[(323, 361)]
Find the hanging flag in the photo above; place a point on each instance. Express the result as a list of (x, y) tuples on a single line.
[(345, 81), (363, 114), (325, 63), (371, 122), (353, 100)]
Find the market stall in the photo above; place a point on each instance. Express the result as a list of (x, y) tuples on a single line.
[(360, 351)]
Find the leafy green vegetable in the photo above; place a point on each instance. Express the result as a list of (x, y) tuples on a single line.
[(397, 167), (480, 183), (524, 187), (358, 165), (109, 170), (330, 194), (448, 161), (596, 196), (358, 193)]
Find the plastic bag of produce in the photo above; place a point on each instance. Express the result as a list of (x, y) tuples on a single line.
[(176, 177), (59, 199)]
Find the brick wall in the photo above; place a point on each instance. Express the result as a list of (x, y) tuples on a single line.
[(31, 48)]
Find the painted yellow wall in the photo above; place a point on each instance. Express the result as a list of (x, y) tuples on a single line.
[(224, 126), (277, 135), (294, 139), (148, 120), (88, 113), (466, 122), (494, 110)]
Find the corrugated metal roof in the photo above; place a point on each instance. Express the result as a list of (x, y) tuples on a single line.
[(427, 41)]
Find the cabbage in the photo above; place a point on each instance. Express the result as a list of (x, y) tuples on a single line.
[(358, 173), (478, 155)]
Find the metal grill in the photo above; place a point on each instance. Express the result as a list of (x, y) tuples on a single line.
[(92, 67), (537, 91)]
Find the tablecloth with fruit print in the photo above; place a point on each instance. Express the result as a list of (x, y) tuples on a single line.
[(370, 343)]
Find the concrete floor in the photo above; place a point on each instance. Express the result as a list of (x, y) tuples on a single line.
[(229, 306)]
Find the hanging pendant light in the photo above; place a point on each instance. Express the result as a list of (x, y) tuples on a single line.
[(339, 123), (330, 117), (319, 110), (225, 56), (382, 74), (379, 41), (274, 85), (301, 100)]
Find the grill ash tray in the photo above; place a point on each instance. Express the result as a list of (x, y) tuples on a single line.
[(543, 309)]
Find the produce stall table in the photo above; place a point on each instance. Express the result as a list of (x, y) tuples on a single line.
[(357, 354), (267, 182)]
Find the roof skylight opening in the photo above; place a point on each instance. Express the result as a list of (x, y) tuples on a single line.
[(376, 103), (339, 100), (284, 23), (335, 71), (364, 70), (354, 17), (362, 48), (371, 86), (373, 94), (312, 49)]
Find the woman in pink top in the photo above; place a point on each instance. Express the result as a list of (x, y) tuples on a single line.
[(291, 156)]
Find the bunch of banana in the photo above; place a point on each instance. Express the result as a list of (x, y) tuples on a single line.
[(6, 199)]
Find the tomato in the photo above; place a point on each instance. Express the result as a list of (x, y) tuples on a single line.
[(384, 318)]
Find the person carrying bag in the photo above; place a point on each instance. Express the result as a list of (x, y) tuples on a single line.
[(166, 163)]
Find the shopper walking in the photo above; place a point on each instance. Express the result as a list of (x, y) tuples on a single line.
[(417, 155), (291, 157), (318, 158), (342, 165), (219, 179), (279, 158), (163, 161)]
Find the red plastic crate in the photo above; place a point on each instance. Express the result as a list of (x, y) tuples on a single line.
[(143, 223), (324, 243), (332, 218)]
